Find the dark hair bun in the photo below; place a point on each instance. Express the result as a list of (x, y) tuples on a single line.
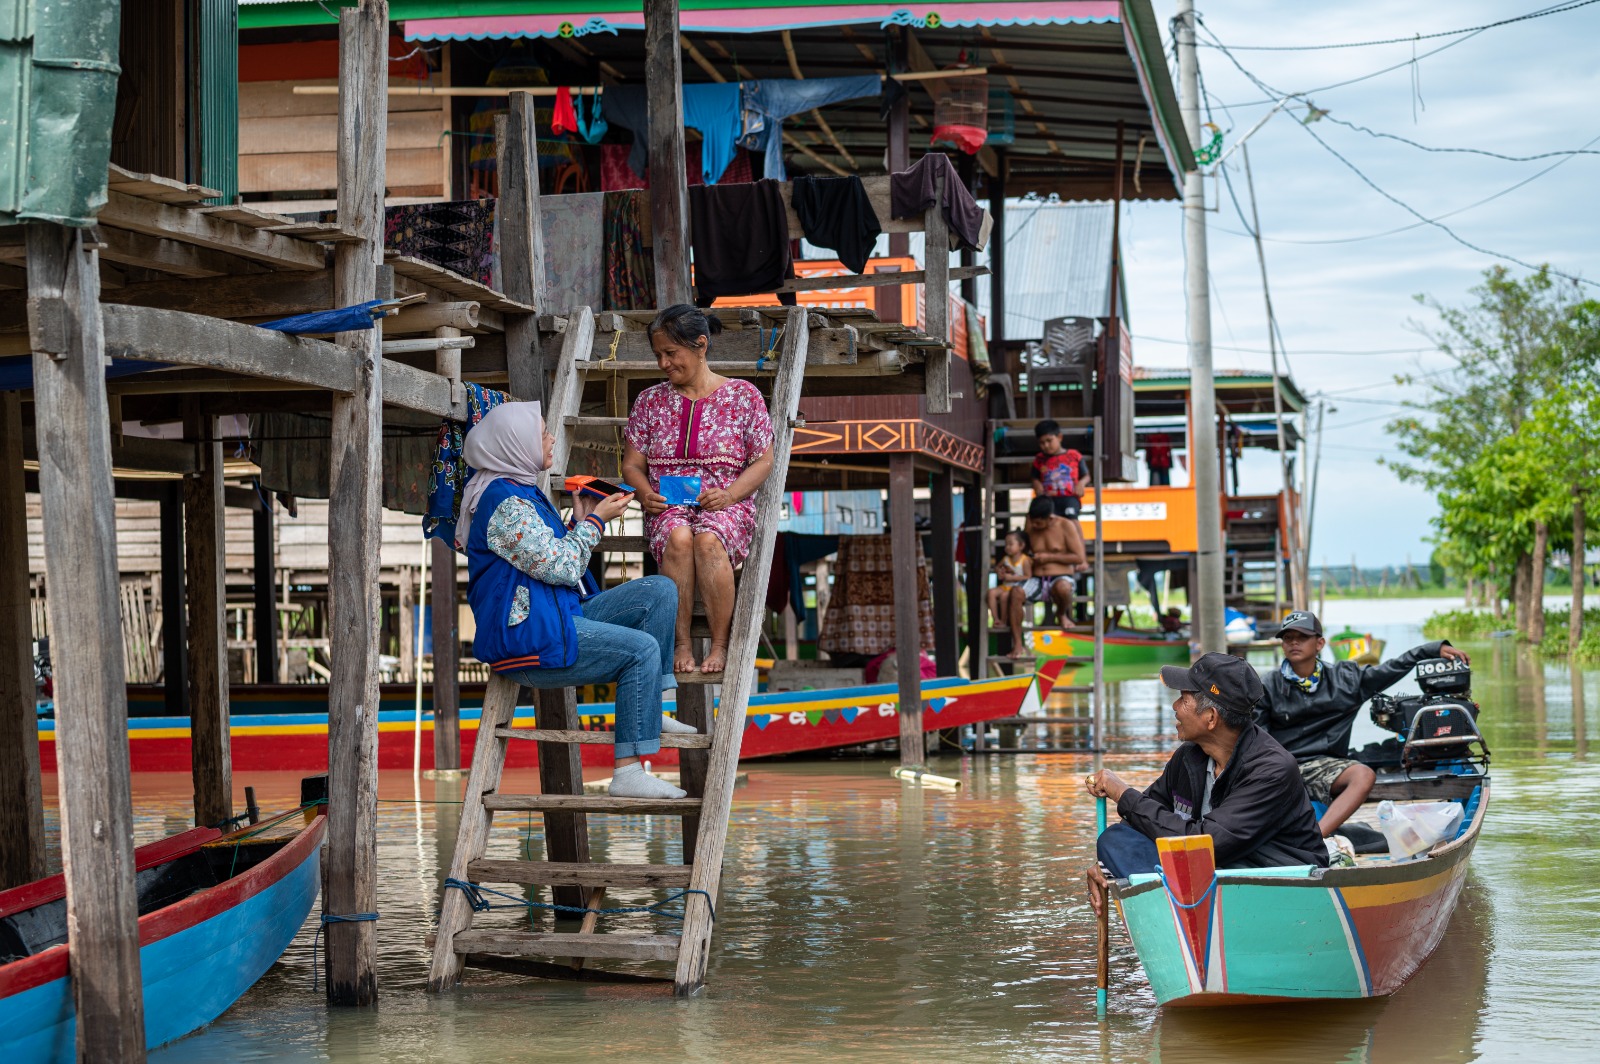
[(686, 324)]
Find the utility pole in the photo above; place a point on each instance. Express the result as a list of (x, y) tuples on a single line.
[(1207, 612)]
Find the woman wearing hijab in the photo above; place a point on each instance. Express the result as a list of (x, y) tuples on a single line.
[(540, 622)]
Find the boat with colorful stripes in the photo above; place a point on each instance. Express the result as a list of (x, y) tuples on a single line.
[(1209, 936), (219, 910), (1121, 647), (285, 728)]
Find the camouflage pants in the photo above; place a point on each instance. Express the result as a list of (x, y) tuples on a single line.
[(1319, 774)]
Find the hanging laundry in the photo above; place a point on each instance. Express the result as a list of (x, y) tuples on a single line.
[(450, 469), (458, 236), (741, 240), (574, 250), (591, 120), (766, 103), (835, 213), (860, 618), (962, 137), (294, 452), (630, 282), (711, 108), (911, 192), (564, 119)]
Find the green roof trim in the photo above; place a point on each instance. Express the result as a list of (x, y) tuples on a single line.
[(58, 95), (263, 16), (1170, 380), (1139, 18)]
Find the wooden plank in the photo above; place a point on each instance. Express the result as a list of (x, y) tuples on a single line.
[(283, 134), (263, 577), (249, 217), (669, 188), (446, 659), (589, 803), (156, 187), (827, 347), (274, 99), (488, 761), (153, 335), (600, 738), (521, 244), (419, 318), (542, 873), (694, 708), (942, 572), (70, 419), (415, 168), (205, 594), (418, 389), (21, 801), (194, 227), (354, 508), (453, 284), (556, 944), (170, 256), (566, 830), (907, 630), (566, 390), (749, 610), (936, 300)]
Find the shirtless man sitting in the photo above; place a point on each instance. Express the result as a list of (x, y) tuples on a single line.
[(1057, 553)]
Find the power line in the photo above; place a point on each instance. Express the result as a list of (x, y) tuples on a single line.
[(1266, 351), (1568, 152), (1558, 9)]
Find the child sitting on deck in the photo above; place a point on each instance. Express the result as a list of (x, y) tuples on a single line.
[(1012, 568)]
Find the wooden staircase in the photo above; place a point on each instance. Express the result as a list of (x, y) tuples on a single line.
[(708, 765)]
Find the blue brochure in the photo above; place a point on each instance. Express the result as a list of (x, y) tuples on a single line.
[(681, 491)]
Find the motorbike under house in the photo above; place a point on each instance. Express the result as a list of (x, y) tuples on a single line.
[(1435, 732)]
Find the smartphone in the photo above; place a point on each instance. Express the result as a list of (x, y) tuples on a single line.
[(600, 489)]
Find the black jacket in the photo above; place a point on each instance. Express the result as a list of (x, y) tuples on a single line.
[(1260, 815), (1318, 724)]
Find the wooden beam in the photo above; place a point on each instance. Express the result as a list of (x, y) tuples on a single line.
[(71, 417), (899, 129), (942, 574), (794, 68), (936, 297), (205, 593), (446, 659), (669, 182), (174, 624), (21, 803), (420, 318), (171, 256), (152, 335), (191, 226), (264, 580), (521, 244), (351, 886), (907, 621)]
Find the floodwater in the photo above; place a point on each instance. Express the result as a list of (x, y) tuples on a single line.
[(863, 919)]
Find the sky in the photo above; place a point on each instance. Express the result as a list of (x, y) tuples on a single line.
[(1347, 310)]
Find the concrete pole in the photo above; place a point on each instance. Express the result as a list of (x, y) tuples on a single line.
[(1207, 612)]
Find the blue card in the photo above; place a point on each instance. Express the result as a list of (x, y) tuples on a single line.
[(681, 491)]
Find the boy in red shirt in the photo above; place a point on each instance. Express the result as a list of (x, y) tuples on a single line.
[(1059, 475)]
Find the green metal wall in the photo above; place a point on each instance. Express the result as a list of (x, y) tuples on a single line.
[(216, 88)]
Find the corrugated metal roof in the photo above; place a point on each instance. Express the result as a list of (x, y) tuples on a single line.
[(1058, 264)]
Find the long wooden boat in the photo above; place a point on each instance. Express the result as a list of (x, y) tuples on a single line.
[(1228, 937), (1123, 649), (1363, 648), (791, 722), (217, 910)]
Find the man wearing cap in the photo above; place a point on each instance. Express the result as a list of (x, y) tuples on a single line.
[(1310, 707), (1229, 779)]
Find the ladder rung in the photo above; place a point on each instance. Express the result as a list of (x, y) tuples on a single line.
[(583, 874), (629, 368), (588, 422), (558, 944), (623, 544), (585, 803), (599, 738), (1073, 688), (1012, 721), (699, 677)]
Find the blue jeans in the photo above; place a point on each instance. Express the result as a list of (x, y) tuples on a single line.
[(1124, 850), (625, 635)]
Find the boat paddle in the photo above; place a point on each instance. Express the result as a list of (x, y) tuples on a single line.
[(1102, 958)]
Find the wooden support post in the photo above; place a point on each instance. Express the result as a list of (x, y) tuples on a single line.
[(997, 269), (407, 602), (266, 607), (942, 574), (353, 509), (979, 549), (206, 598), (521, 239), (669, 181), (21, 804), (174, 619), (907, 626), (936, 299), (566, 835), (899, 126), (71, 420), (446, 660), (694, 707), (967, 168)]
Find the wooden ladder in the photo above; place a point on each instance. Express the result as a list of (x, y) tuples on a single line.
[(708, 761)]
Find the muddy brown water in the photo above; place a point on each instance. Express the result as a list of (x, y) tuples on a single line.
[(866, 919)]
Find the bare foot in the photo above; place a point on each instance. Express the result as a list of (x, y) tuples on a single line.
[(716, 659), (683, 660), (1021, 654)]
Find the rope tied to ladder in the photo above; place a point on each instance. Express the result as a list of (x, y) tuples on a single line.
[(333, 918), (475, 899)]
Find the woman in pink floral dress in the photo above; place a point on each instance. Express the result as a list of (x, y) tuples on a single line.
[(698, 424)]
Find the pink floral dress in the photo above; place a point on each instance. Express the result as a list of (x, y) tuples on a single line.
[(715, 439)]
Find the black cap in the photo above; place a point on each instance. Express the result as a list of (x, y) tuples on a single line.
[(1229, 680), (1301, 621)]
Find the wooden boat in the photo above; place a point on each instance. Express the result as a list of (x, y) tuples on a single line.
[(1359, 647), (1121, 647), (217, 910), (791, 722), (1229, 937)]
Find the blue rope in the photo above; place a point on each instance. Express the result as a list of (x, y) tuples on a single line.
[(1197, 902), (480, 904), (333, 918)]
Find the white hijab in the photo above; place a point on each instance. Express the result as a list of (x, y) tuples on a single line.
[(508, 442)]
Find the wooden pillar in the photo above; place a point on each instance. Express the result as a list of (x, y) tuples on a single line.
[(907, 629), (21, 804), (264, 578), (521, 244), (566, 835), (936, 299), (968, 170), (997, 268), (353, 509), (942, 574), (206, 598), (669, 188), (976, 578), (446, 660), (407, 599), (72, 423), (174, 621), (899, 128)]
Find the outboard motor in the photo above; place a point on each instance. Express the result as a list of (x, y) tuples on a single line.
[(1440, 724)]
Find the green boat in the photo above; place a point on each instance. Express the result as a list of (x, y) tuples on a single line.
[(1119, 649)]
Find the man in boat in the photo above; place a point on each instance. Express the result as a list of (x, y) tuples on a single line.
[(1229, 779), (1310, 707)]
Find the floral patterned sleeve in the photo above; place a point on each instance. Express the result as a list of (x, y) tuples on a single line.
[(519, 535), (757, 423)]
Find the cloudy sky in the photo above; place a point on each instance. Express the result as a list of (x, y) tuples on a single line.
[(1345, 306)]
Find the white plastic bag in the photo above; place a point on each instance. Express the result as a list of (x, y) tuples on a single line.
[(1414, 829)]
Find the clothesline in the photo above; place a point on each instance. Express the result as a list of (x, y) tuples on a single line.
[(551, 90)]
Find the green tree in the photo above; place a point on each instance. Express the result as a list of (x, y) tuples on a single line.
[(1563, 440)]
